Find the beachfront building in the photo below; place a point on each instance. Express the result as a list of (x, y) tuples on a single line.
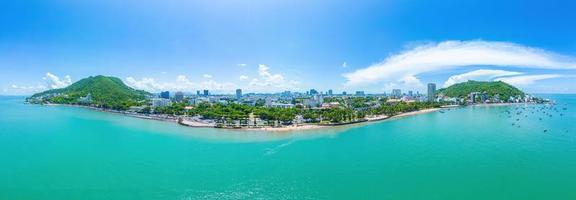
[(87, 100), (197, 100), (281, 105), (319, 99), (473, 97), (160, 102), (431, 92), (330, 105), (268, 102), (298, 120), (311, 103), (179, 96)]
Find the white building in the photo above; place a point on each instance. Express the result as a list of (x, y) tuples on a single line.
[(282, 105), (160, 102)]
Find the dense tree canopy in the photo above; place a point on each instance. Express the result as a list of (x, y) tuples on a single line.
[(105, 92), (461, 90)]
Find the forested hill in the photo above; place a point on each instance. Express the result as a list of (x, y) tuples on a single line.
[(98, 91), (504, 90)]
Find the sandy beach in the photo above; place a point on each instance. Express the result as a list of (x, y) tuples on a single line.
[(196, 124), (416, 112), (377, 117)]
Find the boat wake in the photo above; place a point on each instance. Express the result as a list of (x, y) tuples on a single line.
[(271, 151)]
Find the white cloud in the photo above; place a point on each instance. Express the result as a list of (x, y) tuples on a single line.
[(243, 77), (267, 81), (344, 65), (147, 84), (51, 82), (527, 79), (453, 54), (479, 75), (181, 83), (207, 76), (411, 82), (55, 82), (241, 65)]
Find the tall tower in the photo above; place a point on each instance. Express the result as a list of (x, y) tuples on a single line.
[(431, 92), (238, 94)]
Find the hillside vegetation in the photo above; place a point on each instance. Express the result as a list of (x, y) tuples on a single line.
[(461, 90), (105, 92)]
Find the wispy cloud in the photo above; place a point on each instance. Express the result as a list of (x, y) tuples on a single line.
[(452, 54), (51, 81), (344, 65), (241, 65), (181, 83), (207, 76), (20, 89), (527, 79), (479, 75), (264, 80)]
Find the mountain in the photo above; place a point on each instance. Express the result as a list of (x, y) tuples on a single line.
[(99, 91), (504, 90)]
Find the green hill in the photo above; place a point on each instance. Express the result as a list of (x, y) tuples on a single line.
[(98, 91), (491, 88)]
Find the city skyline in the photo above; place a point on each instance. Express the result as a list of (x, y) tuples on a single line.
[(268, 47)]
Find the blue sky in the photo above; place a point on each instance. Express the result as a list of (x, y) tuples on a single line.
[(267, 46)]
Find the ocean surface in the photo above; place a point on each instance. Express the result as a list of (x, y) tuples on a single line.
[(477, 152)]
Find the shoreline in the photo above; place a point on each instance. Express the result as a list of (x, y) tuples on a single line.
[(418, 112), (196, 124)]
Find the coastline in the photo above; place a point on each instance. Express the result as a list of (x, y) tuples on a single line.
[(303, 127), (418, 112), (195, 124)]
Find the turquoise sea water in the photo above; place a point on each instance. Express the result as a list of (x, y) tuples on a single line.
[(59, 152)]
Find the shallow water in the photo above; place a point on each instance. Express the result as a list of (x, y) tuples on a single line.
[(59, 152)]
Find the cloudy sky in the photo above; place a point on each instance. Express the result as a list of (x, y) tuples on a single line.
[(270, 46)]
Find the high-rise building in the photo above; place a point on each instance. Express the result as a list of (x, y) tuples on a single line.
[(359, 93), (319, 99), (313, 92), (160, 102), (330, 92), (396, 93), (286, 93), (431, 92), (410, 93), (206, 93), (179, 96), (344, 93), (238, 94), (197, 92), (165, 95)]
